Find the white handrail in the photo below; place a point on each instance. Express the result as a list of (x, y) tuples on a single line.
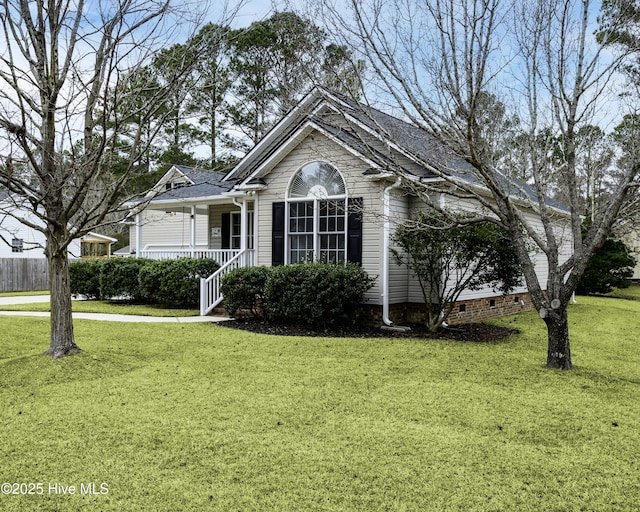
[(222, 256), (210, 295)]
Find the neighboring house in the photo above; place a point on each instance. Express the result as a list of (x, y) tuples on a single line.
[(317, 186), (18, 240), (632, 240), (94, 245), (22, 248)]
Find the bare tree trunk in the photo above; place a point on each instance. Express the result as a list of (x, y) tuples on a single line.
[(558, 351), (62, 341)]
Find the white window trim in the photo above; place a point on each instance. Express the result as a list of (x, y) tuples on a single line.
[(250, 229), (235, 218), (316, 215)]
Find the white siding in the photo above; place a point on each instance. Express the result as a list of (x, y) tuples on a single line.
[(171, 230), (633, 242), (563, 234), (314, 148), (399, 275), (34, 241)]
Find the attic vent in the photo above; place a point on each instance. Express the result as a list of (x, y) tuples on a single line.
[(170, 185)]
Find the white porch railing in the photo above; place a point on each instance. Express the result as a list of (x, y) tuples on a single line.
[(222, 256), (210, 295)]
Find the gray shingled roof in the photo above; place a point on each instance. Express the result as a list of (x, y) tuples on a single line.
[(427, 149), (411, 138), (350, 140), (416, 142), (205, 184)]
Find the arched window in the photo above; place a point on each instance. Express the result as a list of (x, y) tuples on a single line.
[(318, 180), (317, 215)]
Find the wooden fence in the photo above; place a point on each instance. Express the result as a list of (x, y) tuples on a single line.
[(23, 274)]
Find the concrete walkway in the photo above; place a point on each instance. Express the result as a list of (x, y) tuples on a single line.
[(23, 299), (30, 299)]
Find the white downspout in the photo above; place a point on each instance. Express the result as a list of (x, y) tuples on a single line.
[(138, 236), (386, 201)]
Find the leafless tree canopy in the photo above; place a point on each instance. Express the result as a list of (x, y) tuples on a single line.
[(66, 70), (64, 66), (511, 87)]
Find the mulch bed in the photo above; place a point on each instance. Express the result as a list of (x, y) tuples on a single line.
[(477, 332)]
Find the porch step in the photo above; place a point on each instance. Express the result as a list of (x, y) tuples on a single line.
[(218, 311)]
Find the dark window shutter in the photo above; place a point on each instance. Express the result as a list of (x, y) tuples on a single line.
[(277, 234), (354, 231), (226, 231)]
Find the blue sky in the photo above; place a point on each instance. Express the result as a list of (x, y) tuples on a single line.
[(254, 10)]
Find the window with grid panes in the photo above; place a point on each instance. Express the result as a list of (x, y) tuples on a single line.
[(317, 215), (17, 245)]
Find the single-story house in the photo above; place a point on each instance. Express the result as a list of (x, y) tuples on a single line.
[(322, 184)]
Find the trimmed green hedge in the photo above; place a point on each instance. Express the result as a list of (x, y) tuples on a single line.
[(312, 294), (84, 278), (243, 290), (173, 283), (119, 278)]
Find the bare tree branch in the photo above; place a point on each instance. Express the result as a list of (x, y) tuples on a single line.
[(460, 69)]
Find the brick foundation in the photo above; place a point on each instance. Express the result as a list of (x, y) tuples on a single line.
[(465, 311)]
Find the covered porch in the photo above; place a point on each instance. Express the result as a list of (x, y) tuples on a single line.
[(221, 228), (217, 228)]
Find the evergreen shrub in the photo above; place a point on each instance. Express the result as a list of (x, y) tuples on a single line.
[(316, 294), (119, 278), (175, 283), (243, 291), (610, 267), (84, 276)]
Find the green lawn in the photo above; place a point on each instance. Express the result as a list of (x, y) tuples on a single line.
[(110, 307), (20, 294), (192, 417), (633, 293)]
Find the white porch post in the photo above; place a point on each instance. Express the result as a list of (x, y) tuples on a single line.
[(192, 235), (244, 219), (244, 227), (138, 236)]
